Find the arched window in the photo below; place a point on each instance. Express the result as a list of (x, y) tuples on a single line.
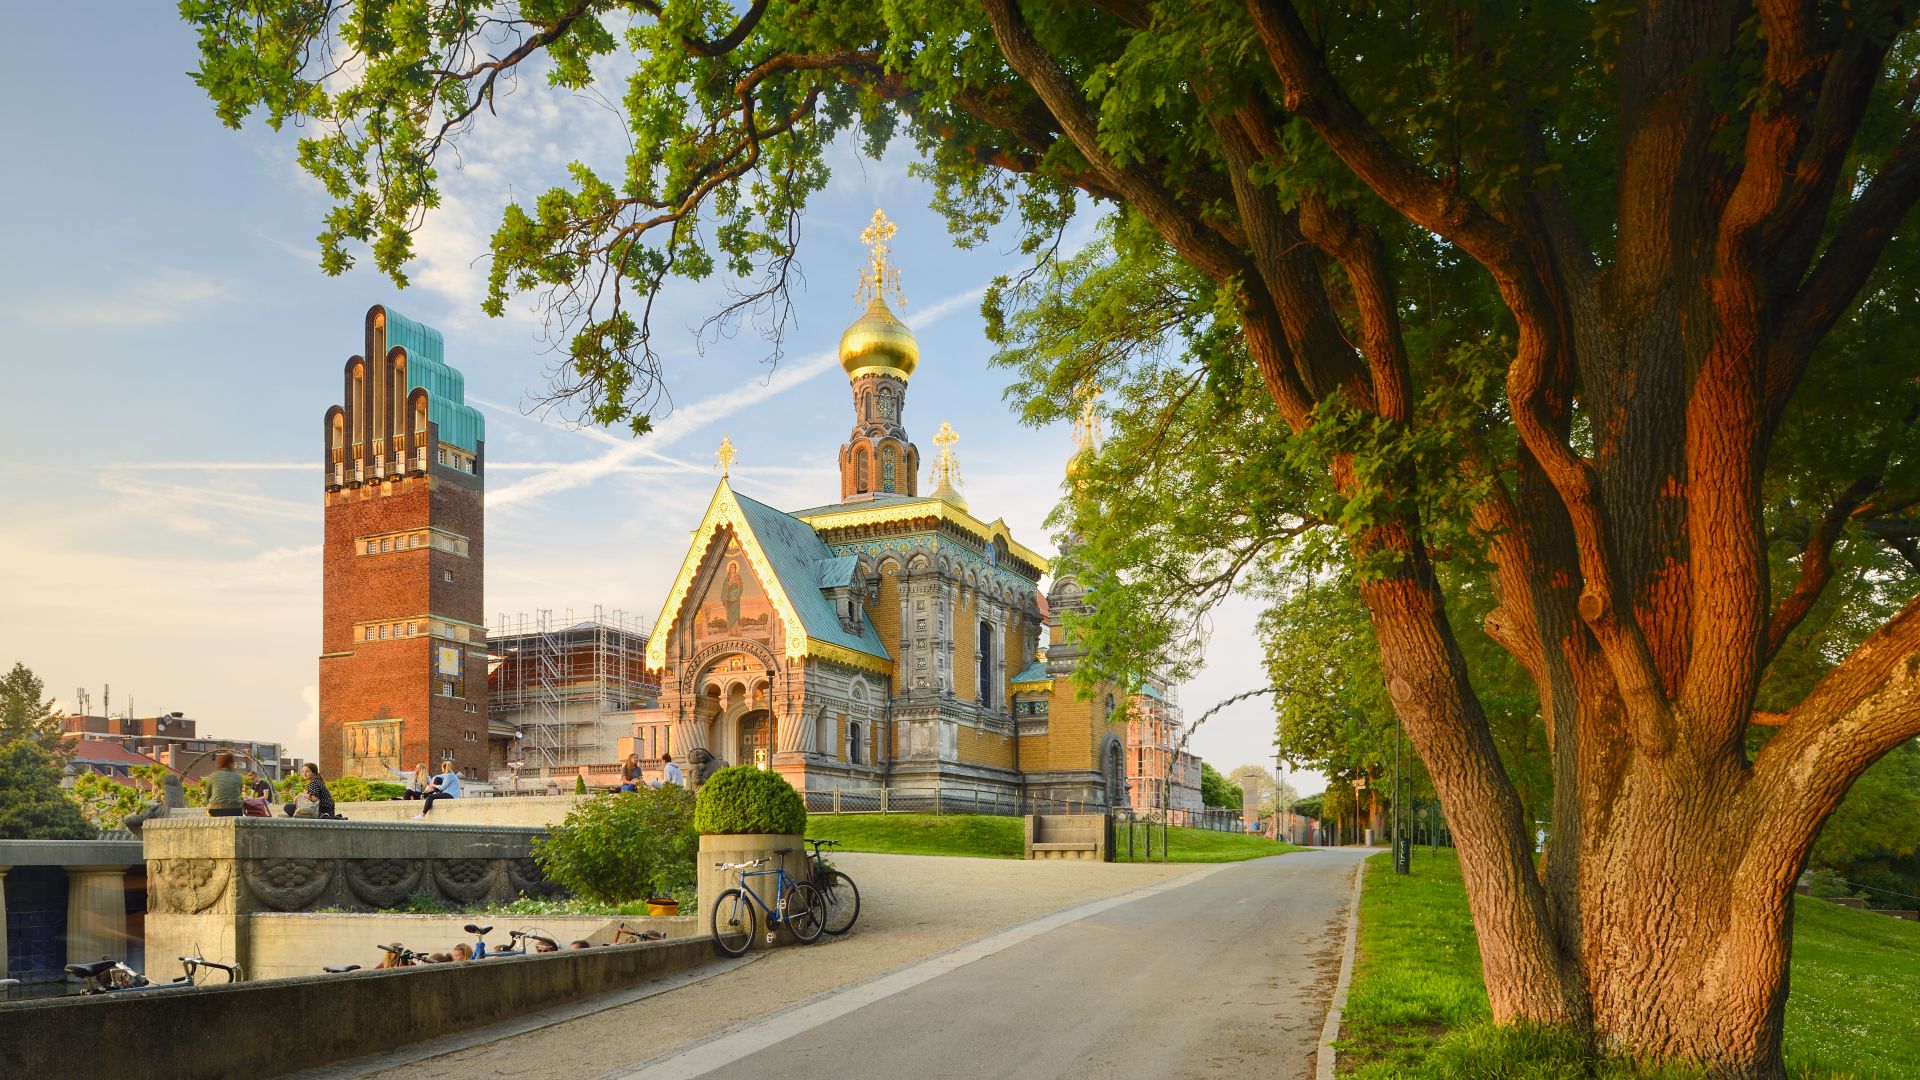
[(888, 462), (399, 394), (339, 431), (357, 404), (986, 664), (860, 481), (853, 742)]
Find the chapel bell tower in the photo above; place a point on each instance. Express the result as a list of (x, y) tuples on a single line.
[(879, 354)]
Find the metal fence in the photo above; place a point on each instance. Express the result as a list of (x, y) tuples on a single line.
[(939, 800)]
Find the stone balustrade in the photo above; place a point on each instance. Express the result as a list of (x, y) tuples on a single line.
[(207, 876)]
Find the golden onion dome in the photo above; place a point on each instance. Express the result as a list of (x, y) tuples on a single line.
[(879, 343)]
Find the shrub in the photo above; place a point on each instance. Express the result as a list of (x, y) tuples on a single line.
[(579, 785), (623, 846), (743, 799), (355, 789)]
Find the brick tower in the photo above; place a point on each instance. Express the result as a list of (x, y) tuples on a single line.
[(403, 661)]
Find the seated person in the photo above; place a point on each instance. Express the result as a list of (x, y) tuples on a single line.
[(444, 786)]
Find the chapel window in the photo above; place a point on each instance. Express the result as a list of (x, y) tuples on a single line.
[(860, 481), (888, 460)]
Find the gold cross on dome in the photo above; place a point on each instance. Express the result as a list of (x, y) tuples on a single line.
[(881, 277), (725, 456), (945, 437)]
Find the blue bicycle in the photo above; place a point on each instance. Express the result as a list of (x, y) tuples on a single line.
[(799, 907)]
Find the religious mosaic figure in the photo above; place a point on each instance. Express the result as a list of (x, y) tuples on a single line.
[(732, 595)]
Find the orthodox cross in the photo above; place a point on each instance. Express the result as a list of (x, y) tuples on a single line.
[(946, 469), (881, 278), (725, 456), (1086, 426)]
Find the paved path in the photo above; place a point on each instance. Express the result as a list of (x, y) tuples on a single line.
[(1090, 971)]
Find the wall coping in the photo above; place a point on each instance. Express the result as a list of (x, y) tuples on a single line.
[(263, 838), (70, 852)]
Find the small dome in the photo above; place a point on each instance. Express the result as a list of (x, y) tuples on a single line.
[(878, 342)]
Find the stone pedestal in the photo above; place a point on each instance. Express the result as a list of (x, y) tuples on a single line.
[(96, 913), (3, 921), (745, 847)]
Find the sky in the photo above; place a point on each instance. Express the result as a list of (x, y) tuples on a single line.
[(171, 347)]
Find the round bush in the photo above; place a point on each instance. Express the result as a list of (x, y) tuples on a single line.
[(743, 799)]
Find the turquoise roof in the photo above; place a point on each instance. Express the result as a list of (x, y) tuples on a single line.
[(796, 553), (1035, 672), (837, 573), (460, 423)]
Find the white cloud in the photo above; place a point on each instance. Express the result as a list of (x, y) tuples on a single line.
[(153, 297)]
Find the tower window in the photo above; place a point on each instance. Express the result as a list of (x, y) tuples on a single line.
[(446, 575), (861, 483), (386, 543), (888, 462)]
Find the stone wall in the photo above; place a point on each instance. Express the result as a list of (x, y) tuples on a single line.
[(206, 875), (268, 1028), (285, 946)]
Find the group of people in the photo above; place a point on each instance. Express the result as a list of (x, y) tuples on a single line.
[(425, 787), (632, 777), (230, 794)]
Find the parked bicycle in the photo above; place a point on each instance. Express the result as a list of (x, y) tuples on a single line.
[(797, 906), (400, 956), (523, 942), (625, 935), (835, 887), (109, 976)]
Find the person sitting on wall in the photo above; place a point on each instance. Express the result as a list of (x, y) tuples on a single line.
[(630, 778), (545, 944), (259, 796), (444, 786), (315, 801), (416, 781), (581, 944), (223, 788), (463, 951), (670, 771)]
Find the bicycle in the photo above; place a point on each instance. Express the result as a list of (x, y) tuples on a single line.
[(622, 935), (798, 907), (835, 887), (109, 976), (518, 948)]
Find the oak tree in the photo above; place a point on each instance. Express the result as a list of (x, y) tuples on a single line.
[(1606, 299)]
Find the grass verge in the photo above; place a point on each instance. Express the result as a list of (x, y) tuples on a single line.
[(1198, 846), (1417, 1009), (988, 837)]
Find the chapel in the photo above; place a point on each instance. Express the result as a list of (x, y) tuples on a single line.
[(890, 639)]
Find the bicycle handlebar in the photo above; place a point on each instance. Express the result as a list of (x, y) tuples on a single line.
[(822, 843), (740, 865)]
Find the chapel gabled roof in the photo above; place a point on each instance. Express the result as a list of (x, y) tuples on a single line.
[(794, 564)]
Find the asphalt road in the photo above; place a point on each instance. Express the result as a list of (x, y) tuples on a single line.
[(1225, 973)]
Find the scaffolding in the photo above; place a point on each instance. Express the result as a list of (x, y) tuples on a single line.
[(1153, 754), (558, 682)]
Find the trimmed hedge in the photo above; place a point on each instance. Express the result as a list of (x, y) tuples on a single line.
[(743, 799)]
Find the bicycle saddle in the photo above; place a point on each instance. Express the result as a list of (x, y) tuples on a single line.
[(784, 851), (483, 931), (88, 971), (341, 968)]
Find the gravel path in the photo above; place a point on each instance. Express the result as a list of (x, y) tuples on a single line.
[(912, 906)]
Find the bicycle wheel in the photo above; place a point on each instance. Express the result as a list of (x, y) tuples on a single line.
[(843, 900), (733, 914), (806, 912)]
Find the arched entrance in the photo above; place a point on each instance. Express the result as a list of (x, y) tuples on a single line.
[(756, 739), (1115, 774)]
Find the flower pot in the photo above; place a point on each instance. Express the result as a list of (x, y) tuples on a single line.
[(663, 907)]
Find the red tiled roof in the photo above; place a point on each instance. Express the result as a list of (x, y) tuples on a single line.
[(103, 752)]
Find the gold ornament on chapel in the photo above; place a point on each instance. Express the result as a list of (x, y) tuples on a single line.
[(878, 342), (946, 468), (724, 456)]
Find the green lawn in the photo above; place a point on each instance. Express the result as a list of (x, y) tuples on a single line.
[(982, 835), (1199, 845), (1418, 1009), (985, 836)]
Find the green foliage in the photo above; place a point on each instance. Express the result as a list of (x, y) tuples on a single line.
[(354, 789), (624, 846), (422, 903), (25, 714), (1871, 845), (579, 785), (1417, 1009), (1217, 790), (32, 804), (743, 799), (105, 801)]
